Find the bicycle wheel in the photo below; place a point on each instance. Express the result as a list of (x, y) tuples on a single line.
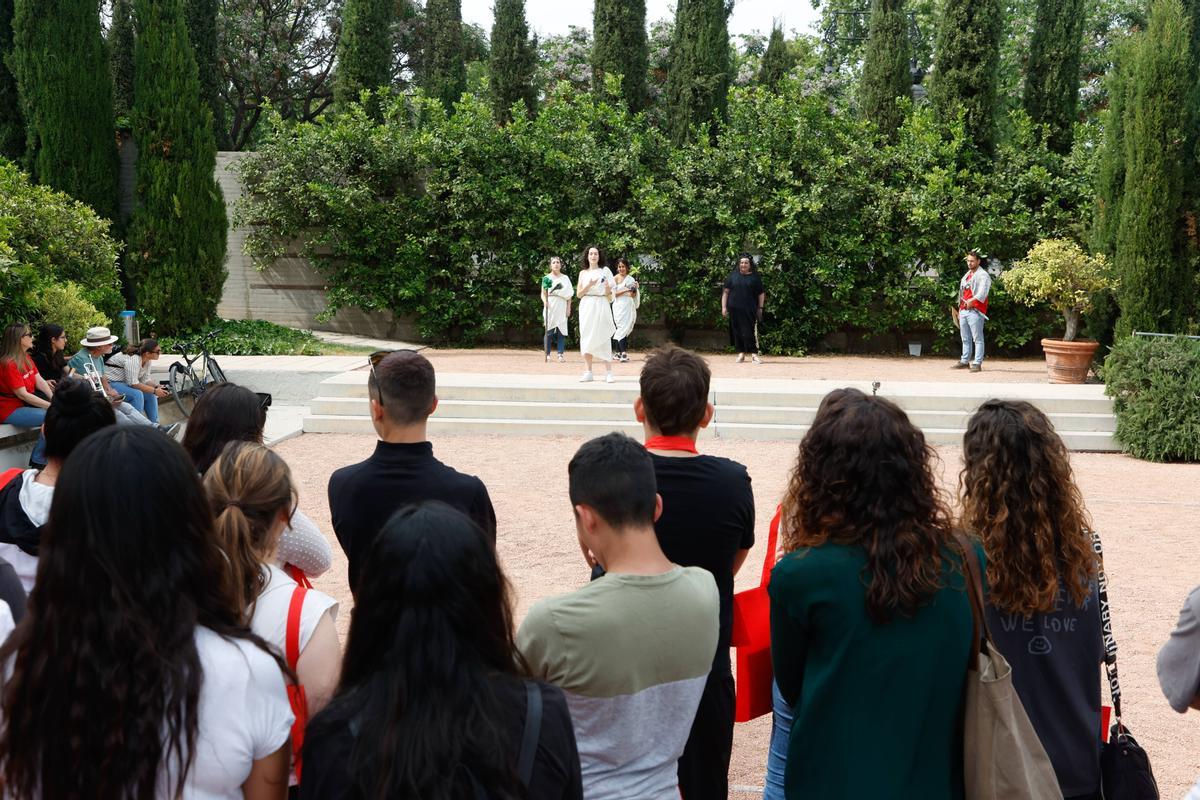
[(213, 372), (184, 391)]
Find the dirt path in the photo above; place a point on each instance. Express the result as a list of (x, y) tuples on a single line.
[(1146, 512)]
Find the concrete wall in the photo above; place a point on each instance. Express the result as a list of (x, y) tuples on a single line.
[(289, 292)]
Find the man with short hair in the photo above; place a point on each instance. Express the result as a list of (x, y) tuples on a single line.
[(973, 289), (631, 650), (708, 522), (402, 469)]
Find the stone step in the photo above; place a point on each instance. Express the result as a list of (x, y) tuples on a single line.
[(725, 414)]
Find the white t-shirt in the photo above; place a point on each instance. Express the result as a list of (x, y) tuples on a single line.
[(271, 610), (244, 715), (35, 500)]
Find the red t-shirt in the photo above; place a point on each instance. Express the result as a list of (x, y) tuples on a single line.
[(11, 378)]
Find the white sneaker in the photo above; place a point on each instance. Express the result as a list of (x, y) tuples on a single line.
[(608, 378), (741, 357), (756, 359), (587, 377), (560, 358)]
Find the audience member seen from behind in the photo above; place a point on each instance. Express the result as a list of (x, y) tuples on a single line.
[(1179, 665), (20, 382), (250, 490), (49, 352), (133, 674), (75, 413), (707, 521), (129, 373), (228, 413), (870, 624), (633, 649), (1043, 608), (402, 470), (433, 697)]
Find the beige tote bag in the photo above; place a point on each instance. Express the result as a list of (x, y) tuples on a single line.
[(1003, 759)]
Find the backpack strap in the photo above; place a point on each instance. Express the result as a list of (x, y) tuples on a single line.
[(297, 574), (296, 695), (533, 732), (8, 474), (292, 637), (772, 542)]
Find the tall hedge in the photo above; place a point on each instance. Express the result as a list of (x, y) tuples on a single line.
[(512, 62), (698, 73), (777, 61), (443, 61), (121, 39), (966, 66), (886, 75), (364, 50), (12, 125), (176, 255), (621, 47), (1151, 258), (1155, 386), (1110, 171), (1052, 76), (66, 98), (201, 19)]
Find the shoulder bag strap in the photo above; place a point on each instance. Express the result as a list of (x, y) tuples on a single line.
[(974, 585), (1110, 641), (772, 542), (533, 732), (292, 636)]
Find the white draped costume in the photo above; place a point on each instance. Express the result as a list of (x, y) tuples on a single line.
[(596, 326), (624, 308), (557, 300)]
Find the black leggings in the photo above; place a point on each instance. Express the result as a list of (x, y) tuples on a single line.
[(619, 345)]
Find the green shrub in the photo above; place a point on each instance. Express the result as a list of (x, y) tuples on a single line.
[(252, 338), (1155, 386), (64, 304)]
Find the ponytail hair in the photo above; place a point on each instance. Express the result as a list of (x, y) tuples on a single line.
[(248, 486)]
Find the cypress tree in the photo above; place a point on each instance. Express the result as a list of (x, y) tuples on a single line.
[(777, 61), (621, 47), (1110, 177), (12, 125), (365, 49), (66, 99), (176, 256), (120, 57), (698, 72), (513, 60), (886, 75), (1052, 77), (443, 65), (201, 19), (1150, 259), (966, 66)]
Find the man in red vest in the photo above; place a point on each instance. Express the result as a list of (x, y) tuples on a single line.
[(973, 292)]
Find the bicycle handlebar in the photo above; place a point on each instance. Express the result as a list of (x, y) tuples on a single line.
[(184, 347)]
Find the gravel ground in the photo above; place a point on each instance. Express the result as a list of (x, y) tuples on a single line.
[(1146, 513)]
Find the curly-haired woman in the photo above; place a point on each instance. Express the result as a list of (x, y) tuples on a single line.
[(1043, 609), (870, 623)]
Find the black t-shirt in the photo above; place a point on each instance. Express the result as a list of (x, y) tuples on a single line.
[(1055, 660), (363, 496), (708, 516), (744, 290), (556, 772), (46, 367)]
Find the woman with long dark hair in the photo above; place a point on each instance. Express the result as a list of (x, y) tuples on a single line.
[(228, 413), (49, 352), (129, 372), (594, 288), (742, 302), (434, 698), (626, 300), (132, 675), (870, 623), (1043, 606)]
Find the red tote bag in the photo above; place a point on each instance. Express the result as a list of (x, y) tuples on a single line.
[(751, 639)]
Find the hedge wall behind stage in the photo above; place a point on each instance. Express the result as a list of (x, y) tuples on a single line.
[(452, 219)]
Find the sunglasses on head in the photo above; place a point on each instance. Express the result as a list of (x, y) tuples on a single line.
[(375, 358)]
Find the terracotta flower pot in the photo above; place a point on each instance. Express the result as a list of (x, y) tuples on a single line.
[(1069, 362)]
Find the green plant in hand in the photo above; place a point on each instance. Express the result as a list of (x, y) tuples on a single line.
[(1059, 273)]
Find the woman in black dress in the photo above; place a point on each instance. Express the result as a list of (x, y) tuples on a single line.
[(49, 352), (742, 303)]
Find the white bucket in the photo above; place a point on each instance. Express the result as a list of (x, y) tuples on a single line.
[(914, 348)]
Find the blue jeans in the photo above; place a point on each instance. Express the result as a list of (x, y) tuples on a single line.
[(970, 328), (30, 417), (145, 402), (781, 734), (562, 340)]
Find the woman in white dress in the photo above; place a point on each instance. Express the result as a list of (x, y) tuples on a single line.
[(626, 300), (596, 326), (557, 294)]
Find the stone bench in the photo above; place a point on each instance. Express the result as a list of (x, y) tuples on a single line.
[(15, 445)]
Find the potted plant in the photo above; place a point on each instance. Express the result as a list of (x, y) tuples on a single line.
[(1059, 273)]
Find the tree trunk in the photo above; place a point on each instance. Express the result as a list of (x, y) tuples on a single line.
[(1072, 318)]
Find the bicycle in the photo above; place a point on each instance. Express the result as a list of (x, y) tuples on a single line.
[(185, 383)]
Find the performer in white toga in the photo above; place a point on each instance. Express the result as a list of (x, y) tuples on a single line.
[(557, 294), (626, 300), (596, 328)]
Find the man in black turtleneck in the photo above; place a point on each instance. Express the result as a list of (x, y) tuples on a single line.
[(402, 469)]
